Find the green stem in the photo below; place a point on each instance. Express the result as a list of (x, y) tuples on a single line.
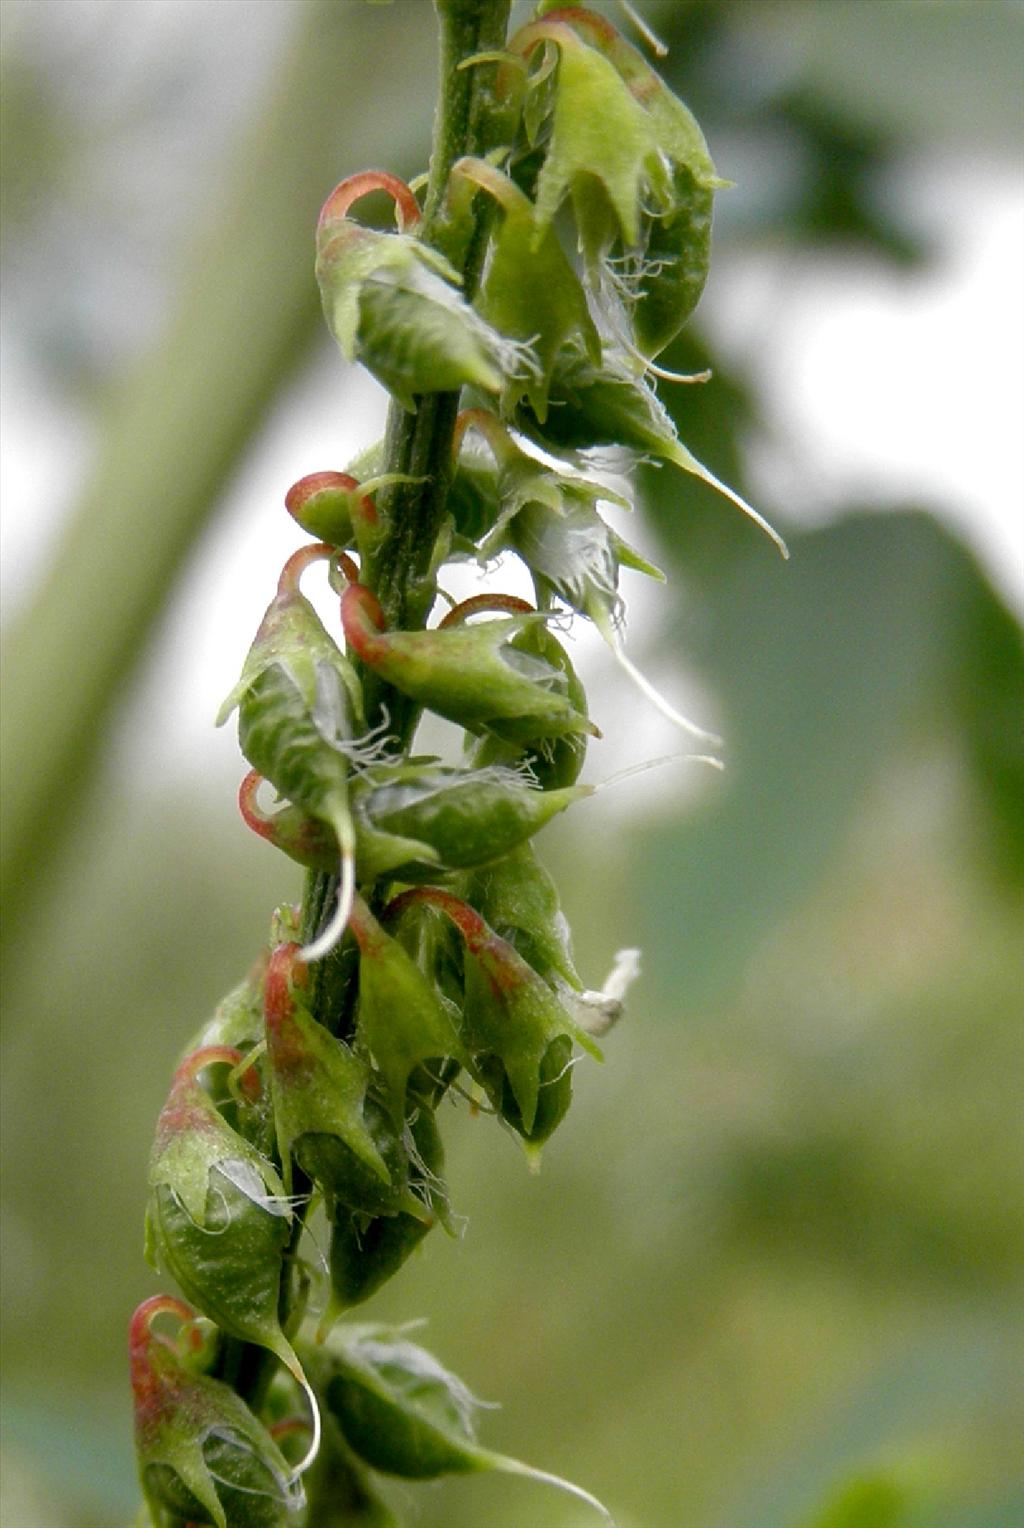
[(468, 121)]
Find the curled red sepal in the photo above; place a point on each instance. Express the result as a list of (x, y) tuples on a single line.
[(285, 971), (316, 482), (145, 1383), (298, 562), (304, 839), (330, 506), (510, 604), (210, 1055), (353, 187), (466, 919), (361, 615)]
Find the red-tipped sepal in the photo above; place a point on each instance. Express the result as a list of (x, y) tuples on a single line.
[(202, 1454), (217, 1219), (519, 1033), (483, 676), (327, 1121), (403, 1020)]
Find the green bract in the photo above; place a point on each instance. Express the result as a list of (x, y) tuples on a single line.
[(604, 147), (325, 1121), (217, 1219), (403, 1020), (463, 817), (529, 290), (665, 280), (365, 1250), (202, 1454), (511, 1016), (611, 406), (484, 677), (393, 303), (406, 1415), (517, 897)]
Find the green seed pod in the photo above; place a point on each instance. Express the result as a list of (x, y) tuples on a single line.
[(672, 271), (300, 719), (517, 897), (202, 1454), (325, 503), (613, 406), (217, 1218), (603, 150), (554, 1094), (407, 1416), (403, 1021), (466, 817), (554, 762), (510, 1012), (366, 1252), (529, 289), (480, 676), (601, 406), (325, 1120), (392, 303), (573, 555), (678, 134)]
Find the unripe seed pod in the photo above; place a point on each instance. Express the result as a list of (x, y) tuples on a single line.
[(554, 762), (679, 136), (465, 817), (529, 289), (510, 1012), (325, 1120), (403, 1020), (613, 406), (517, 897), (407, 1416), (300, 718), (673, 267), (365, 1253), (603, 149), (202, 1454), (393, 304), (217, 1218), (481, 676)]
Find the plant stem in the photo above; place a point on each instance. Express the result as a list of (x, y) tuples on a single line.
[(468, 121)]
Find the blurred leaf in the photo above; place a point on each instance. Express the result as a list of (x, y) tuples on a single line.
[(874, 1501), (879, 625), (911, 1408), (947, 69)]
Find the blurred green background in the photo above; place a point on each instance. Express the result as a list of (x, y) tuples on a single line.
[(769, 1276)]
